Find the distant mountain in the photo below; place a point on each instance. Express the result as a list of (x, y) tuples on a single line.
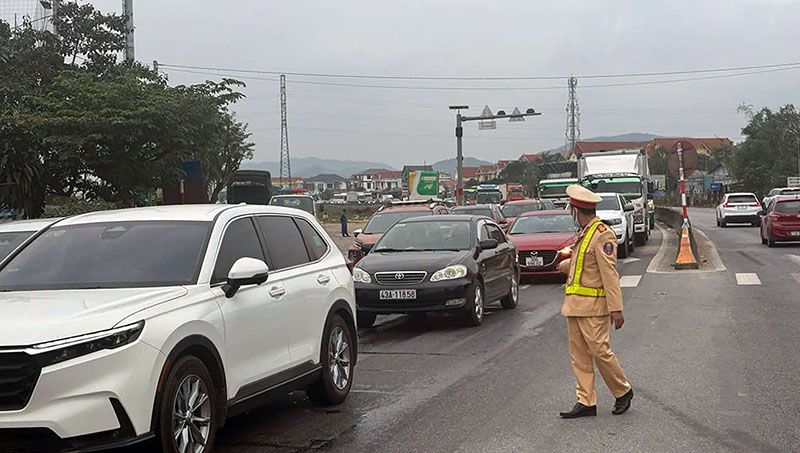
[(629, 137), (311, 166), (449, 165)]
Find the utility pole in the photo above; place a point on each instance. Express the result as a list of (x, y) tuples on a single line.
[(53, 19), (127, 11), (516, 115), (286, 167), (573, 133)]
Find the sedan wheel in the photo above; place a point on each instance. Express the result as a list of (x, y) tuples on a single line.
[(473, 316), (512, 299)]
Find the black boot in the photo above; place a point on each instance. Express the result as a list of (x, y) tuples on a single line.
[(623, 403), (580, 410)]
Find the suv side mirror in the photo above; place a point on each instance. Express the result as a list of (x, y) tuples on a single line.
[(245, 271), (628, 207), (488, 244), (357, 231)]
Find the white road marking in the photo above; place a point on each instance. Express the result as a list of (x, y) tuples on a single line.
[(747, 279), (629, 281), (795, 258), (630, 260), (524, 286), (796, 277)]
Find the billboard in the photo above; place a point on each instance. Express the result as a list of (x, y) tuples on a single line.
[(423, 185)]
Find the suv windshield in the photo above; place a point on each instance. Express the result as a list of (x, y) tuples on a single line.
[(471, 210), (513, 210), (742, 199), (609, 203), (304, 203), (10, 240), (109, 255), (381, 222), (420, 236), (559, 223)]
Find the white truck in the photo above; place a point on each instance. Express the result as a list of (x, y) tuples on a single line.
[(626, 172)]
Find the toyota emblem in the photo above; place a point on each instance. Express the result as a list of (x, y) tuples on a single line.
[(399, 276)]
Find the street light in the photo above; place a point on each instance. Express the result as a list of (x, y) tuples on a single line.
[(516, 115)]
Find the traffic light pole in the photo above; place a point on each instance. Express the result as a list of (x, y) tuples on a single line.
[(460, 133)]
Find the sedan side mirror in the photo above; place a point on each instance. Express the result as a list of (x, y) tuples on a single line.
[(488, 244), (628, 207), (357, 231), (245, 271)]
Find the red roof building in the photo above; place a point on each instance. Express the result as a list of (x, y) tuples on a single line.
[(469, 173), (530, 157)]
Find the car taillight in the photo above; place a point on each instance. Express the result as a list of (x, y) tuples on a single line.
[(758, 203), (725, 205)]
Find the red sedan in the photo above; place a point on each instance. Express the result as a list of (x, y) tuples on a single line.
[(512, 209), (543, 240), (781, 221)]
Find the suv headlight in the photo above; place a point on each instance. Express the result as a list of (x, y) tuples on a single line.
[(613, 221), (449, 273), (58, 351), (361, 276)]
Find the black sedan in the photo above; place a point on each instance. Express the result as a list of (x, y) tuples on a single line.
[(454, 263)]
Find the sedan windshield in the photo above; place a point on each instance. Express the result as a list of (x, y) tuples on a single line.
[(109, 255), (559, 223), (379, 223), (420, 236), (304, 203), (471, 210), (10, 240), (609, 203), (513, 210)]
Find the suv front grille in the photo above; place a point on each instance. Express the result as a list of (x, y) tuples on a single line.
[(549, 256), (400, 277), (18, 375)]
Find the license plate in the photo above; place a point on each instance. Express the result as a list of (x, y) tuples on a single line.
[(795, 233), (742, 208), (398, 294), (534, 261)]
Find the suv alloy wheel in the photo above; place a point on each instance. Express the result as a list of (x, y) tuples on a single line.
[(338, 358), (188, 413)]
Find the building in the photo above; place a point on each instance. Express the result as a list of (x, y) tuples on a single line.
[(326, 181), (531, 157), (469, 173), (487, 173), (702, 145), (380, 180)]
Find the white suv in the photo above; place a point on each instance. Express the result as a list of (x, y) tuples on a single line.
[(740, 207), (120, 326), (617, 212)]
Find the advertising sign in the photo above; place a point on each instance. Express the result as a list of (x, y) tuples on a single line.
[(423, 185)]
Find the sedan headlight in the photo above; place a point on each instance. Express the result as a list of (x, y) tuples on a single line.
[(361, 276), (449, 273), (58, 351), (566, 251), (617, 221)]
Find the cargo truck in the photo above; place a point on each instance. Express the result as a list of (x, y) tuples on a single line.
[(625, 172), (555, 190)]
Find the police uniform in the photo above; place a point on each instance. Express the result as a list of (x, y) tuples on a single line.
[(592, 292)]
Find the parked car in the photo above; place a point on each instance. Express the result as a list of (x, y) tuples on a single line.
[(781, 220), (543, 240), (779, 191), (740, 207), (382, 220), (512, 209), (456, 263), (121, 326), (491, 211), (15, 233), (617, 212)]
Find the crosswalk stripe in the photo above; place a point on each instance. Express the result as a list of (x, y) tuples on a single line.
[(629, 281), (796, 277), (747, 278)]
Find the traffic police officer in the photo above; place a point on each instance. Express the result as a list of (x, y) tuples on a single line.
[(592, 302)]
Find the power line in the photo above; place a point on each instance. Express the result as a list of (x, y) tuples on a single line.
[(492, 88), (404, 77)]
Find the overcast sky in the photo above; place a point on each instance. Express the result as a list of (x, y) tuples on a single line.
[(480, 39)]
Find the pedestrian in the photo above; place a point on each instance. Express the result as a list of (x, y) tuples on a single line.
[(343, 219), (593, 302)]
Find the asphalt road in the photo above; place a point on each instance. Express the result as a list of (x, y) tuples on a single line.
[(713, 364)]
